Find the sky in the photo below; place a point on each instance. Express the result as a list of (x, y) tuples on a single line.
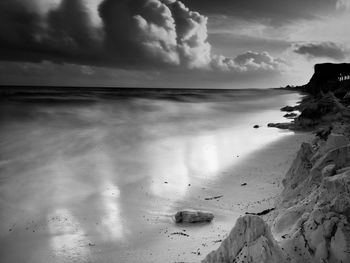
[(170, 43)]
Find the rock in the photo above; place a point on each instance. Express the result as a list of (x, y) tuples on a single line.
[(288, 108), (342, 170), (326, 76), (193, 216), (298, 172), (290, 115), (319, 110), (323, 133), (285, 125), (250, 240), (333, 141), (347, 96), (339, 156), (328, 170), (312, 216), (256, 126), (264, 212)]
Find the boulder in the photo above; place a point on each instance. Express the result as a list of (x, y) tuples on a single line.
[(193, 216), (249, 241)]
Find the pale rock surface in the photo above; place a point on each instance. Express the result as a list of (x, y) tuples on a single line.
[(297, 173), (315, 227), (249, 241)]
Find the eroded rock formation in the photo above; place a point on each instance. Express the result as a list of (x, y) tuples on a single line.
[(312, 220), (249, 241)]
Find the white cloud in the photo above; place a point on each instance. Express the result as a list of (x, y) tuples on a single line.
[(249, 61)]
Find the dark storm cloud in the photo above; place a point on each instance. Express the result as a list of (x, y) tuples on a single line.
[(274, 12), (137, 33), (28, 32), (70, 27), (18, 24), (320, 50)]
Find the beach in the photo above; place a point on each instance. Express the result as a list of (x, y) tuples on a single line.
[(98, 177)]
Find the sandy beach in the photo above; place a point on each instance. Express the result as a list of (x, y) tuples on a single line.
[(79, 194)]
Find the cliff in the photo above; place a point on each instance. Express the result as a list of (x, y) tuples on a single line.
[(328, 77)]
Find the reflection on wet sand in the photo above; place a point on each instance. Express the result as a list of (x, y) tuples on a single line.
[(178, 161), (111, 219), (67, 238)]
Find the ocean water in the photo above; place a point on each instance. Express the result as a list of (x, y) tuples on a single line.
[(91, 171)]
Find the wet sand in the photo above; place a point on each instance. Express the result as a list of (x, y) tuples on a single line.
[(79, 184)]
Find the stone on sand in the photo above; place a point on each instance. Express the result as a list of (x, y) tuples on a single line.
[(193, 216)]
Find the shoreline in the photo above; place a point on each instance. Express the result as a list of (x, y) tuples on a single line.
[(105, 220), (311, 219)]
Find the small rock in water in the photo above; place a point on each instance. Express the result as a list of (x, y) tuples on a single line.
[(290, 115), (256, 126), (244, 184), (193, 216), (288, 108)]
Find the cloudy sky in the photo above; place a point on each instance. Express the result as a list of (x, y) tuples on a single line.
[(170, 43)]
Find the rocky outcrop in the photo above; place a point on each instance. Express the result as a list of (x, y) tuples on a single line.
[(312, 222), (327, 97), (327, 77), (193, 216), (249, 241), (324, 109), (289, 108)]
